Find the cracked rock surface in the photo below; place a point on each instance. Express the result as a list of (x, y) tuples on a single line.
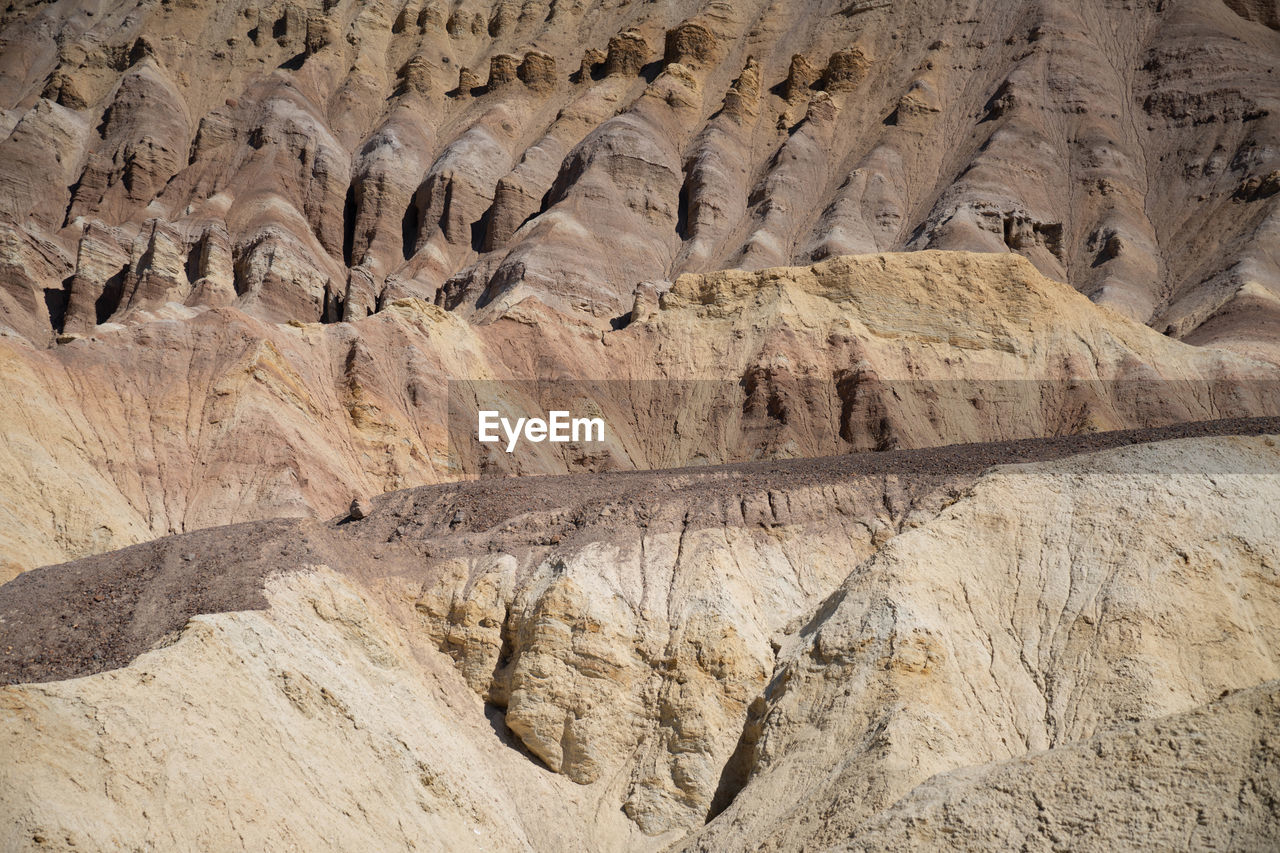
[(822, 657)]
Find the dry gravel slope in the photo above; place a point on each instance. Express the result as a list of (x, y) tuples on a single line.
[(806, 660), (191, 421)]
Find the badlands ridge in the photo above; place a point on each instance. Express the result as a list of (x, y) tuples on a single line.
[(885, 652), (178, 424), (938, 347)]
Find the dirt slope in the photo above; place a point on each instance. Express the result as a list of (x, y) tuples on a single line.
[(318, 160), (192, 421), (814, 655)]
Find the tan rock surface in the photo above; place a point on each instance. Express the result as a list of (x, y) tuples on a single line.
[(1134, 786), (1128, 151), (265, 263), (1047, 617), (323, 730), (319, 163), (1047, 605), (189, 418)]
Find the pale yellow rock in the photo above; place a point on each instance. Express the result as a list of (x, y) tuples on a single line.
[(1039, 628), (316, 725), (637, 658), (1053, 602), (1124, 787)]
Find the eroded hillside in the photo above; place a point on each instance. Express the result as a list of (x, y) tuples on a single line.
[(891, 650), (244, 247), (937, 347), (319, 160), (194, 421)]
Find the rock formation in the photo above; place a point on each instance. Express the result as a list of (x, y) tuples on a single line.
[(936, 357), (801, 655), (1126, 152), (907, 350)]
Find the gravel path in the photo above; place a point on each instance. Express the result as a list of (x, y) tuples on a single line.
[(101, 612)]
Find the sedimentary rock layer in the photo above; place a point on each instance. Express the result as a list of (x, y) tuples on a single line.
[(799, 654), (199, 418), (319, 160)]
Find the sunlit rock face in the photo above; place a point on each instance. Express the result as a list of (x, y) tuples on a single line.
[(316, 161)]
